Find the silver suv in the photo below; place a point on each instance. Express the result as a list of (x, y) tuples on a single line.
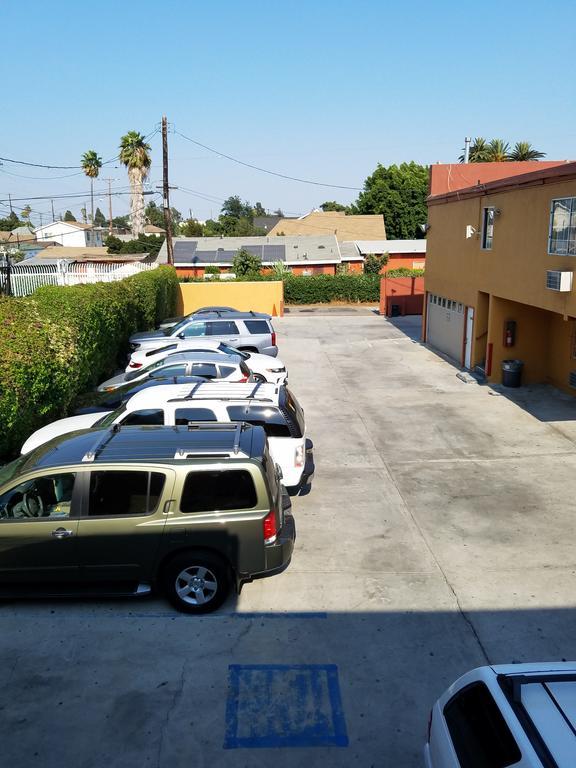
[(248, 331)]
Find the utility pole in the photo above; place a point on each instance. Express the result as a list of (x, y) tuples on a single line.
[(166, 192), (53, 217), (10, 200), (467, 141), (109, 204)]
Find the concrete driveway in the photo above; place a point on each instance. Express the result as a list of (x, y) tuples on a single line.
[(437, 536)]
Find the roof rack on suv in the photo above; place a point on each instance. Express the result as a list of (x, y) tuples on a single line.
[(196, 393), (236, 427), (102, 439)]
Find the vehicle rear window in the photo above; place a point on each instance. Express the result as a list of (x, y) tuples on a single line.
[(226, 370), (194, 329), (273, 421), (221, 328), (257, 326), (118, 493), (168, 370), (184, 415), (218, 490), (479, 733)]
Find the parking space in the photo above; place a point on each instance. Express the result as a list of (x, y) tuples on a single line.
[(436, 536)]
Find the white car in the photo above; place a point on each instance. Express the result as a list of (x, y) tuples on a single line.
[(264, 368), (274, 408), (521, 715), (207, 364)]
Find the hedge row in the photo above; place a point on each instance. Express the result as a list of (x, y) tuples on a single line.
[(320, 289), (60, 341)]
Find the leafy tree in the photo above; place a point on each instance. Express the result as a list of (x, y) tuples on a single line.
[(154, 214), (246, 263), (113, 244), (373, 264), (91, 165), (212, 269), (279, 212), (191, 228), (259, 210), (84, 215), (235, 208), (99, 218), (135, 155), (332, 205), (69, 216), (25, 213), (121, 222), (10, 222), (478, 153), (399, 193), (523, 150), (141, 244)]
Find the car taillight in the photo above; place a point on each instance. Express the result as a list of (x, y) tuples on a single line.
[(299, 456), (243, 380), (273, 338), (270, 530), (135, 365), (429, 725)]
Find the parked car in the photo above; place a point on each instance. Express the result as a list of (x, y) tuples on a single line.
[(508, 715), (169, 322), (100, 402), (249, 331), (207, 364), (263, 367), (189, 511), (274, 408)]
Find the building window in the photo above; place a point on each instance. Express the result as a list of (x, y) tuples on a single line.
[(562, 235), (487, 228)]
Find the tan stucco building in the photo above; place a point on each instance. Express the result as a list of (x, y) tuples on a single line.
[(360, 227), (499, 269)]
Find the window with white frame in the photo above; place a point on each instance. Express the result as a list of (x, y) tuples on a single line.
[(487, 228), (562, 235)]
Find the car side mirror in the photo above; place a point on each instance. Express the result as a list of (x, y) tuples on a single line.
[(181, 335)]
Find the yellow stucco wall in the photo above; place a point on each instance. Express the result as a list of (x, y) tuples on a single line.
[(516, 266), (265, 296), (507, 282)]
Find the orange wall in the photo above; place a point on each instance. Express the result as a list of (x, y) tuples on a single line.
[(407, 292), (407, 261)]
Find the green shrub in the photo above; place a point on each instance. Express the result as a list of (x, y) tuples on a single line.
[(60, 341), (373, 263), (320, 289), (405, 272)]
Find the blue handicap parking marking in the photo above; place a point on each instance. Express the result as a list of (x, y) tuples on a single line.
[(277, 705)]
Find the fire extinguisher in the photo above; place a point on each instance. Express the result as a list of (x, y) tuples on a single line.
[(509, 333)]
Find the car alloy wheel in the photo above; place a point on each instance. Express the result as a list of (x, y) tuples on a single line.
[(196, 585), (197, 581)]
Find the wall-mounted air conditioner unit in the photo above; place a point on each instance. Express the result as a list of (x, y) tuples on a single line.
[(559, 280)]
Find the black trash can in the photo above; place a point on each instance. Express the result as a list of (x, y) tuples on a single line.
[(395, 310), (512, 373)]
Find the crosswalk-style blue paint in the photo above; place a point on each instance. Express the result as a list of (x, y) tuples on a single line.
[(278, 705)]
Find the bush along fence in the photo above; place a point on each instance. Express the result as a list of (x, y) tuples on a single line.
[(60, 341)]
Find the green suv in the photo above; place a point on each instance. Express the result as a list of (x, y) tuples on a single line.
[(192, 511)]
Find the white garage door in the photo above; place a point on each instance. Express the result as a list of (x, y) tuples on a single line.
[(445, 326)]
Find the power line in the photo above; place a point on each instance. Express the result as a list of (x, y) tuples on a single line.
[(265, 170)]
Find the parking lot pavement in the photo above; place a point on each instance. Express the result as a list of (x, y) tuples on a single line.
[(437, 536)]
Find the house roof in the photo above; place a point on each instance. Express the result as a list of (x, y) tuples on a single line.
[(336, 223), (23, 232), (75, 224), (85, 254), (450, 177), (150, 229), (545, 174), (391, 246), (202, 251)]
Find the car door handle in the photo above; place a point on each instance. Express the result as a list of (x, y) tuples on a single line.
[(233, 339), (62, 533)]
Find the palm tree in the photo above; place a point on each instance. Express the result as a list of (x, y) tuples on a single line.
[(478, 151), (135, 155), (91, 165), (498, 151), (523, 150)]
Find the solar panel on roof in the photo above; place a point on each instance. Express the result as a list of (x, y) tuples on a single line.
[(205, 257), (187, 247), (225, 256), (254, 249), (274, 253)]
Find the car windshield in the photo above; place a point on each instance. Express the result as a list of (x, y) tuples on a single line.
[(233, 351), (174, 329), (109, 418)]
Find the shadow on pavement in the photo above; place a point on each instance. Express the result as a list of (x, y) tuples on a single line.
[(543, 401)]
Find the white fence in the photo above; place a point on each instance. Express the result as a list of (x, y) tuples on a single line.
[(25, 278)]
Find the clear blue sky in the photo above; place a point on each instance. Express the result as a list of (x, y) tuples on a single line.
[(320, 90)]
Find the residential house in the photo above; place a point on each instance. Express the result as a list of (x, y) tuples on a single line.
[(71, 234), (336, 223), (499, 273), (410, 254), (308, 255)]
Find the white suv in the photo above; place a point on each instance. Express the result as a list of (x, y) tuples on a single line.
[(264, 368), (521, 715), (274, 408)]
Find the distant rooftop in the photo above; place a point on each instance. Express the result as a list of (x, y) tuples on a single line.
[(391, 246)]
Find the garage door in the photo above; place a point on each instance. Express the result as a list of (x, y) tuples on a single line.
[(445, 326)]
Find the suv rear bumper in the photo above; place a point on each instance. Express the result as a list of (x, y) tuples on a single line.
[(279, 554)]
